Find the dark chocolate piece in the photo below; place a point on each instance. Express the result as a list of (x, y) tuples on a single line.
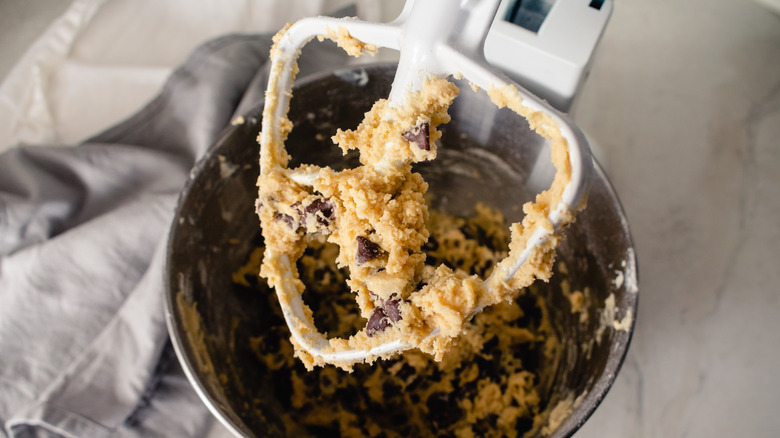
[(324, 207), (420, 135), (383, 316), (286, 218), (392, 310), (377, 322), (366, 250)]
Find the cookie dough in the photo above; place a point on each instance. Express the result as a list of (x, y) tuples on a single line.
[(376, 215), (494, 382)]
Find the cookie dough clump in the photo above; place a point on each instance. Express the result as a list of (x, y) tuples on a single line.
[(493, 382), (376, 214)]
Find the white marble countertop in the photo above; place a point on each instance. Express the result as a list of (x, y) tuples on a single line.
[(684, 99)]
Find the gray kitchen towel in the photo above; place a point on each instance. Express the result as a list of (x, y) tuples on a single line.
[(84, 349)]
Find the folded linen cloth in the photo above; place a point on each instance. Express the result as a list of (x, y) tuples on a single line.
[(84, 349)]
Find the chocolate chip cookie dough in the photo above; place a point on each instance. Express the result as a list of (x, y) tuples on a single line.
[(493, 382), (376, 215)]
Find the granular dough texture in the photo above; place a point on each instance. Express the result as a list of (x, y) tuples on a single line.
[(376, 214), (492, 382)]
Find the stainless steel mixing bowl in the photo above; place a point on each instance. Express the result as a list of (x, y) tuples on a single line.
[(487, 155)]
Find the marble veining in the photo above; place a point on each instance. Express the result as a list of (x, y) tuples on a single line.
[(684, 98)]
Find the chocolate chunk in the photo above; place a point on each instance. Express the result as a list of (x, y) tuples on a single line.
[(419, 134), (392, 310), (324, 207), (377, 322), (290, 220), (286, 218), (383, 316), (366, 250)]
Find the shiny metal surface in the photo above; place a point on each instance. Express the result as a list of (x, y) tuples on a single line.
[(487, 155)]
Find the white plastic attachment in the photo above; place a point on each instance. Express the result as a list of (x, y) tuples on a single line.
[(435, 37)]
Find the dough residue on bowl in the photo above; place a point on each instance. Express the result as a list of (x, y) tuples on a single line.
[(492, 382)]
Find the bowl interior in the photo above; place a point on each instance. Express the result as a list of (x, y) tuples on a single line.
[(487, 155)]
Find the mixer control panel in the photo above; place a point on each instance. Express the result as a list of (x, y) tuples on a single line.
[(547, 45)]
